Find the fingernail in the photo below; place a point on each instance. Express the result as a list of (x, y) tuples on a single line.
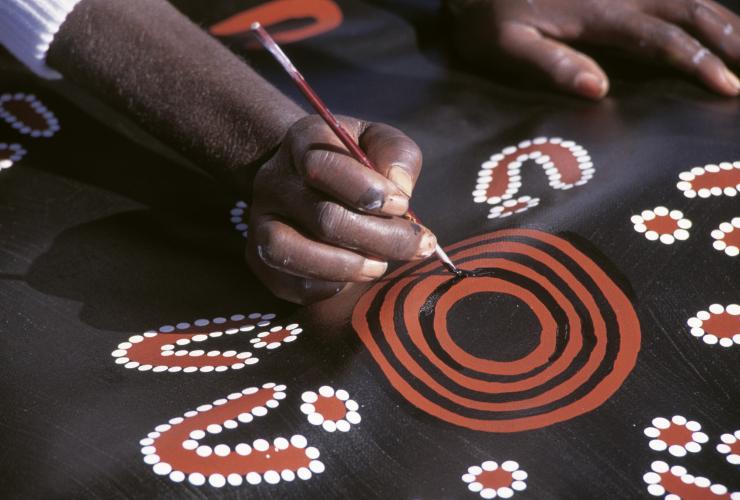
[(427, 244), (402, 179), (590, 85), (396, 204), (373, 269), (732, 80)]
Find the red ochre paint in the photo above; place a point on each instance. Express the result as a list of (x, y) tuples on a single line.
[(662, 224), (722, 179), (562, 157), (732, 238), (23, 112), (325, 15), (673, 484), (330, 408), (149, 350), (170, 450), (495, 479), (723, 325), (676, 435), (627, 325), (277, 336)]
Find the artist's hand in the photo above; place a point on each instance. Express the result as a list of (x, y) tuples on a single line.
[(319, 219), (695, 36)]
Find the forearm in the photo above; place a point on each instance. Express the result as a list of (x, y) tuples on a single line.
[(147, 59)]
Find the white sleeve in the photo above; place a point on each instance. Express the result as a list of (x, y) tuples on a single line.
[(27, 28)]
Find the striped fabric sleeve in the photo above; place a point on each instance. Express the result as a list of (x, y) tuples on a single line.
[(27, 28)]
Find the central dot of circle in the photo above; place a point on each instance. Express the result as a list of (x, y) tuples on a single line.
[(495, 326)]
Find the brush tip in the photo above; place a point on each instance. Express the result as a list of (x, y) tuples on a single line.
[(255, 25)]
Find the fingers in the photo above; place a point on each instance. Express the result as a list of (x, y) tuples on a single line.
[(654, 37), (388, 238), (284, 249), (327, 166), (289, 287), (567, 68), (394, 155), (718, 27)]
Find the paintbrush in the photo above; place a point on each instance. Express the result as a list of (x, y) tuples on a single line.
[(271, 45)]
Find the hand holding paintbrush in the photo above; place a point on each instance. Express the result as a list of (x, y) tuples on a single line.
[(344, 136)]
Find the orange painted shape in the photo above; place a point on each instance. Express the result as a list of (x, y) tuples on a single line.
[(626, 324), (723, 178), (495, 479), (330, 408), (673, 484), (325, 16), (662, 224), (676, 434), (170, 450), (723, 325), (277, 336)]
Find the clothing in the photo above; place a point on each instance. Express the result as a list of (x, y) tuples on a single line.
[(27, 28)]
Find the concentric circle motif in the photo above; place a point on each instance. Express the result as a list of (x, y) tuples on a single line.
[(675, 483), (730, 447), (719, 325), (27, 114), (710, 180), (276, 336), (239, 216), (586, 338), (175, 449), (10, 154), (565, 163), (491, 480), (662, 225), (677, 435), (332, 410), (727, 237), (168, 348)]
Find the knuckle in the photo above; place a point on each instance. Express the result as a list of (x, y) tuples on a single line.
[(332, 220), (315, 161), (271, 245)]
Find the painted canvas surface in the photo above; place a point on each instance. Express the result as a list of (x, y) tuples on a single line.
[(594, 354)]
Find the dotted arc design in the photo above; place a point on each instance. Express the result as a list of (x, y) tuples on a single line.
[(675, 483), (727, 237), (730, 446), (10, 154), (588, 340), (324, 15), (276, 336), (164, 350), (332, 410), (28, 115), (174, 449), (239, 217), (565, 163), (490, 480), (678, 435), (662, 225), (719, 325), (710, 180)]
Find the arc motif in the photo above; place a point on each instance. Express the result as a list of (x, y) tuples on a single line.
[(174, 449), (565, 163), (325, 15), (167, 348)]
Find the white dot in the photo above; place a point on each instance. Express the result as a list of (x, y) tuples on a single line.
[(216, 480), (197, 479)]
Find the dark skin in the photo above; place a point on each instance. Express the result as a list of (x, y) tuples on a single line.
[(698, 37), (320, 220)]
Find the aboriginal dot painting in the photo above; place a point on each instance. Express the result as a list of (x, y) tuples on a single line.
[(590, 352)]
